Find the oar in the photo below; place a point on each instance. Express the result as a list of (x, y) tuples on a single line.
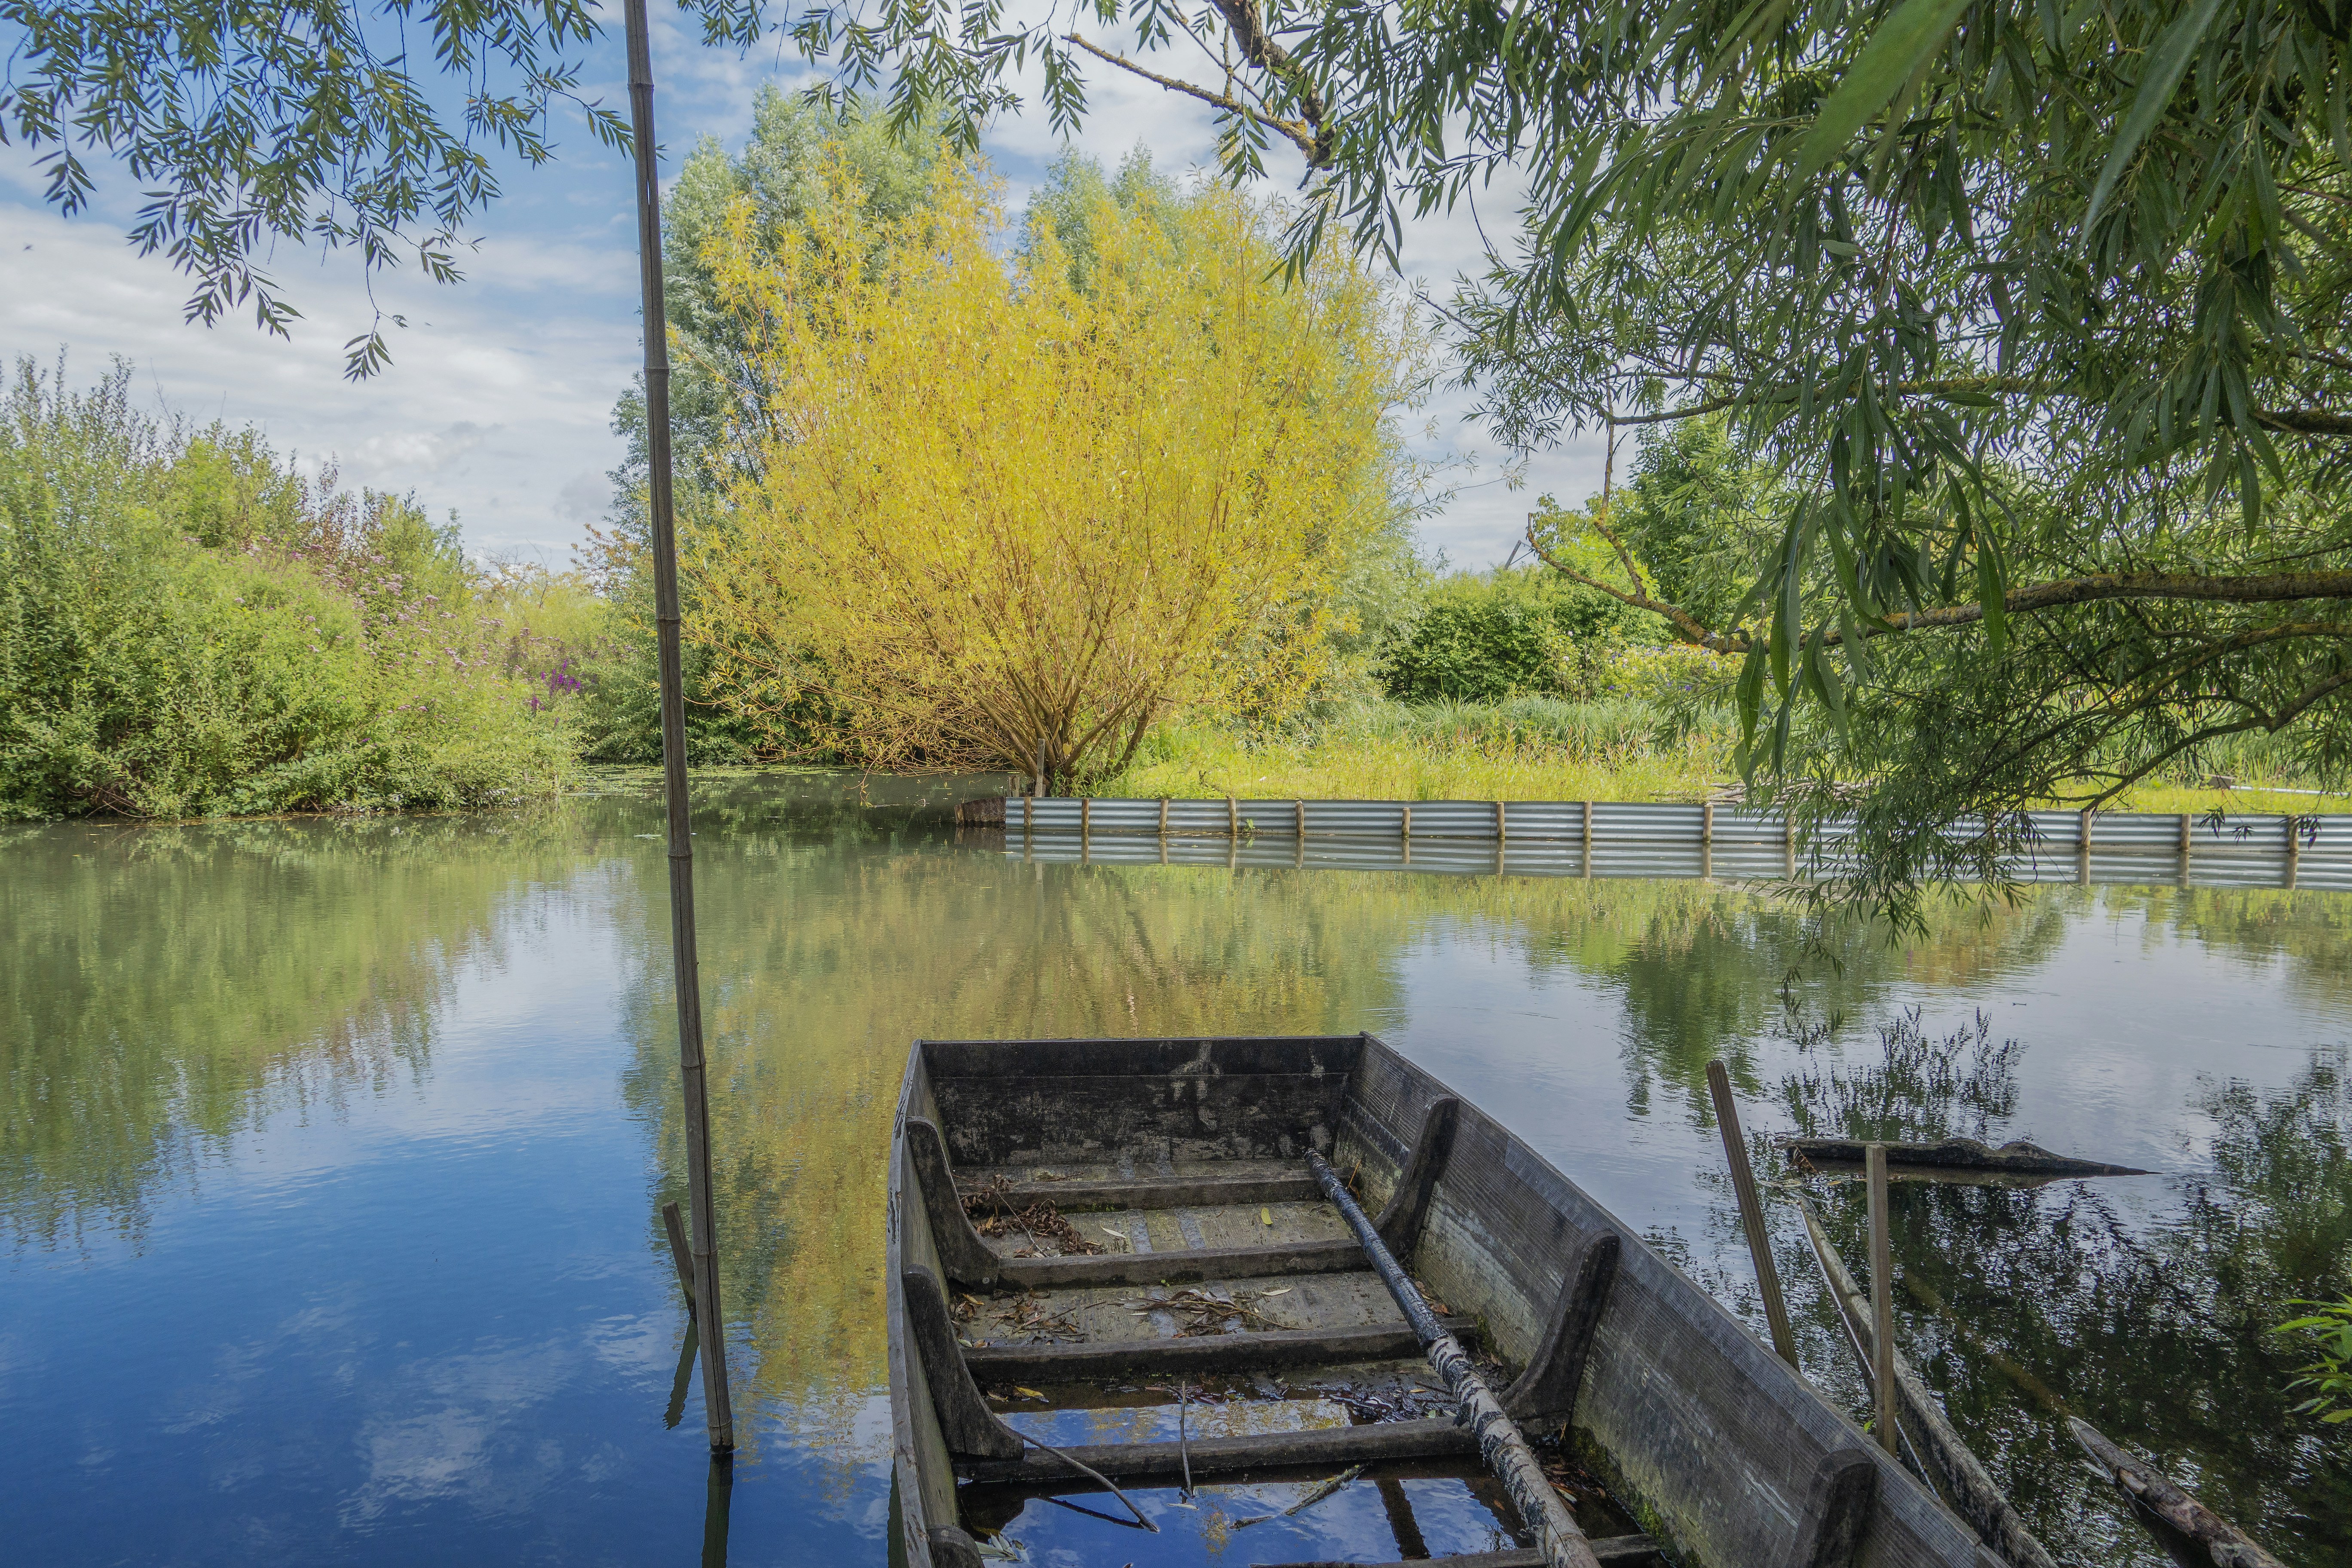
[(1500, 1443)]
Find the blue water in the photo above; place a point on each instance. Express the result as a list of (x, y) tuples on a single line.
[(333, 1152)]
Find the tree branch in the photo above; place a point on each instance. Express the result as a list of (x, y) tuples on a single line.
[(1307, 135)]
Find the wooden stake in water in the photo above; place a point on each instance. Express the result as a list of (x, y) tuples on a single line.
[(1881, 1295), (1751, 1212), (703, 1237)]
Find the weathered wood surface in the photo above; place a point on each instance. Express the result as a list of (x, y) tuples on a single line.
[(997, 1120), (1232, 1227), (1194, 1356), (1228, 1457), (1179, 1268), (1838, 1510), (1407, 1210), (964, 1417), (2016, 1158), (1500, 1443), (1626, 1549), (1696, 1416), (1547, 1390), (1079, 1196), (1333, 1056), (964, 1257), (1971, 1487), (2209, 1541)]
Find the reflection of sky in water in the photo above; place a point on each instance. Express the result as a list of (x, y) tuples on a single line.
[(413, 1308)]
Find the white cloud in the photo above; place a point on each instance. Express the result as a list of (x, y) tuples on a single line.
[(584, 496), (498, 399)]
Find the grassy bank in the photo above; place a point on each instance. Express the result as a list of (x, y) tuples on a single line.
[(1531, 748)]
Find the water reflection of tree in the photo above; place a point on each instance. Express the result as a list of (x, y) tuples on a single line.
[(164, 988), (1712, 978), (2019, 1299)]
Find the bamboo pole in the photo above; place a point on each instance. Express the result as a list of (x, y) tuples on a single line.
[(703, 1233), (1751, 1213), (1501, 1442), (1882, 1297)]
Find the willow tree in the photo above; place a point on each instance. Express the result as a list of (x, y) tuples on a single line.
[(2038, 308), (1013, 510)]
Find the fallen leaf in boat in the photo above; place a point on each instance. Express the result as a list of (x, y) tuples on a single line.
[(1026, 1393), (1266, 1215)]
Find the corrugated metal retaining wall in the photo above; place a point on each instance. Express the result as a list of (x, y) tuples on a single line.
[(1631, 838)]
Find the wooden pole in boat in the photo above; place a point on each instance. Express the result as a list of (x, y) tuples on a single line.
[(1882, 1296), (1751, 1213), (703, 1231), (1501, 1442)]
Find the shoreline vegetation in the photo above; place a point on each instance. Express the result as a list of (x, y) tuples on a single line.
[(193, 626)]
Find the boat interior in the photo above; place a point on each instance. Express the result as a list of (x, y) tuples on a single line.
[(1118, 1293)]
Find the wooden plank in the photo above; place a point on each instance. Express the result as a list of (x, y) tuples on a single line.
[(1315, 1445), (1609, 1548), (965, 1258), (1181, 1192), (1005, 1120), (1191, 1056), (1193, 1355), (1751, 1208), (2218, 1540), (1401, 1222), (1179, 1268), (965, 1419), (1546, 1391), (1838, 1510)]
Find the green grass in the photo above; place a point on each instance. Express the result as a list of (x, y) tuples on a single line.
[(1528, 748), (1531, 748)]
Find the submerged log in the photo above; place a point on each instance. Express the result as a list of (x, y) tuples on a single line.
[(2017, 1159), (2194, 1535)]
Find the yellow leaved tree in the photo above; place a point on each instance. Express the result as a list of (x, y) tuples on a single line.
[(1006, 513)]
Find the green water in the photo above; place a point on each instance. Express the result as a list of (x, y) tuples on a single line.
[(332, 1153)]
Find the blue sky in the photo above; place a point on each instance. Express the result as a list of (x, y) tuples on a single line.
[(498, 399)]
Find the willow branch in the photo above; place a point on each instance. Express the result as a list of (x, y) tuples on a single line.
[(1307, 135)]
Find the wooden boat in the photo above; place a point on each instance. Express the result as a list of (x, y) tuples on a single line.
[(1192, 1154)]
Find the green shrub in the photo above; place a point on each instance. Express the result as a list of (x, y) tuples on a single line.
[(187, 627), (1491, 636)]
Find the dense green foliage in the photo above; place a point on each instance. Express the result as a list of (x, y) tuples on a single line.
[(187, 627), (2329, 1377), (1486, 637)]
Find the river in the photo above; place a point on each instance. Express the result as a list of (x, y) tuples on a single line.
[(332, 1152)]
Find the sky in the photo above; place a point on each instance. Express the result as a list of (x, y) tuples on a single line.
[(497, 404)]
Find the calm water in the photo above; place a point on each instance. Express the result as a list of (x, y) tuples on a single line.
[(331, 1153)]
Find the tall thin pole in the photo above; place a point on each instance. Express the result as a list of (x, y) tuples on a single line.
[(703, 1230), (1881, 1295), (1751, 1213)]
